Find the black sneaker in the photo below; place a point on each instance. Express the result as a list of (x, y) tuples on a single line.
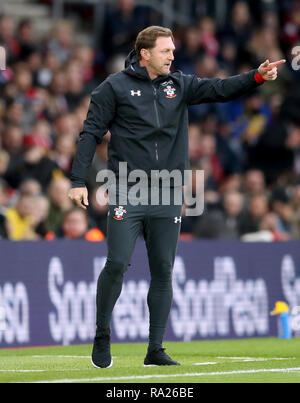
[(158, 357), (101, 357)]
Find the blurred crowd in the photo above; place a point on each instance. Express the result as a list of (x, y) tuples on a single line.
[(249, 149)]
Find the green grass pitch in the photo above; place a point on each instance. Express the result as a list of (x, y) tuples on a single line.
[(265, 360)]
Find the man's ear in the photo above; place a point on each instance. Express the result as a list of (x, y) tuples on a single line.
[(145, 54)]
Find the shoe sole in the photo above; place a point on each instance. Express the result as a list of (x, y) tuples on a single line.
[(96, 366)]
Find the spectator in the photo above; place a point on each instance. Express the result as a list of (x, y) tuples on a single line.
[(34, 163), (233, 205), (210, 160), (13, 138), (14, 112), (208, 38), (223, 221), (8, 39), (230, 159), (205, 66), (75, 226), (59, 203), (30, 187), (40, 215), (257, 209), (3, 223), (75, 90), (41, 133), (280, 205), (240, 29), (49, 67), (188, 51), (122, 22), (295, 207), (292, 142), (195, 143), (210, 224), (20, 219), (63, 152), (66, 123), (57, 103), (4, 162), (25, 38), (254, 183), (61, 40), (85, 56), (228, 56), (255, 119)]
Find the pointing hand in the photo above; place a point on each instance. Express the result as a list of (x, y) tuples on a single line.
[(268, 70)]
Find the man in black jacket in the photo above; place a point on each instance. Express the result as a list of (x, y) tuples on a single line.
[(145, 108)]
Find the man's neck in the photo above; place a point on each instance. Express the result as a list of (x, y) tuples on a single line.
[(152, 75)]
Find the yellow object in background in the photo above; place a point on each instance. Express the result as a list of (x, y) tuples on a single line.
[(19, 228), (280, 307)]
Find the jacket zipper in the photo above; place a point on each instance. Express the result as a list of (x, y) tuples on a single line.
[(157, 120)]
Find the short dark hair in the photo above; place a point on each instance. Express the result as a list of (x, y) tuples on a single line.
[(76, 209), (146, 39)]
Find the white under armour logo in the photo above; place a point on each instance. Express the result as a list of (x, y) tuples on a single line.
[(177, 219), (138, 93)]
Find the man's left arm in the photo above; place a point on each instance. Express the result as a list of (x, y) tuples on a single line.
[(205, 90)]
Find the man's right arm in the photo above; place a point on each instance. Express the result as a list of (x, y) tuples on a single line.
[(100, 114)]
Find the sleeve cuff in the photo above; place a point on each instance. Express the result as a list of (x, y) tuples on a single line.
[(77, 183), (258, 78)]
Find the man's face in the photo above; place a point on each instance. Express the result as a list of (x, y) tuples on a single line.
[(75, 225), (161, 56)]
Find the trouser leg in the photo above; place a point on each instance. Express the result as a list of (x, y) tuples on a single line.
[(161, 234), (121, 239)]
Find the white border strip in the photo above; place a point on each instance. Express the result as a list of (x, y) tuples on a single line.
[(160, 376)]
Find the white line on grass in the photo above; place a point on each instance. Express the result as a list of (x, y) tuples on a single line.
[(22, 370), (44, 370), (206, 363), (64, 356), (41, 370), (242, 359), (158, 376), (61, 356), (246, 359)]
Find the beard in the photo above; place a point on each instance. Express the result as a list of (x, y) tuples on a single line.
[(160, 69)]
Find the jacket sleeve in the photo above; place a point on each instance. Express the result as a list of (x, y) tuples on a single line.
[(205, 90), (100, 114)]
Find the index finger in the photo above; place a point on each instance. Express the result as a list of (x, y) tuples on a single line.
[(275, 64), (79, 201), (81, 205)]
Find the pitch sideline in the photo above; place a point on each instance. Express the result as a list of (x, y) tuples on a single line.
[(157, 376)]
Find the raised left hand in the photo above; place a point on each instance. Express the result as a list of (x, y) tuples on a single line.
[(268, 70)]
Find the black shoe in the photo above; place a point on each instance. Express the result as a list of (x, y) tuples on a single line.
[(158, 357), (101, 357)]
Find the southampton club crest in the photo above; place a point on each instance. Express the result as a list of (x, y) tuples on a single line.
[(119, 213), (170, 92)]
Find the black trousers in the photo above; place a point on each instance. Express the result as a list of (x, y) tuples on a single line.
[(160, 227)]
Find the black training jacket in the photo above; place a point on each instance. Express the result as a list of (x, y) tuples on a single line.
[(148, 120)]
